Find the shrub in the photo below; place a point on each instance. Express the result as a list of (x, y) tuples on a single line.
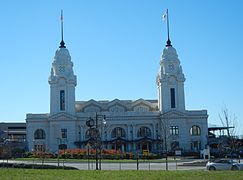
[(34, 166)]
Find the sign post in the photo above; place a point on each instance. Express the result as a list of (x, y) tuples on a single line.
[(177, 153)]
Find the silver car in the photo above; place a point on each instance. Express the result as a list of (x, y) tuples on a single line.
[(224, 164)]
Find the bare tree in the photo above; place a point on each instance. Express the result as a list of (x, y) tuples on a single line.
[(229, 121), (165, 135)]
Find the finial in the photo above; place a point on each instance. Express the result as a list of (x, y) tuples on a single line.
[(166, 18), (168, 43), (62, 43)]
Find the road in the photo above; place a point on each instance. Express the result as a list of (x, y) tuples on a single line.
[(119, 166)]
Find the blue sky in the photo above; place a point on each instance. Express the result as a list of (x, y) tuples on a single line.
[(116, 46)]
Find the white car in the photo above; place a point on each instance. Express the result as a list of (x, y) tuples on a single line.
[(224, 164)]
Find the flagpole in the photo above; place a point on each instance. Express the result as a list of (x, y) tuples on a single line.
[(62, 44), (62, 23), (168, 29)]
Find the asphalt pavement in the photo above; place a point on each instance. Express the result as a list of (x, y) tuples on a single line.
[(189, 165)]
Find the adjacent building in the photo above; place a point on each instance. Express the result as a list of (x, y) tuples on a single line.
[(12, 132), (12, 139)]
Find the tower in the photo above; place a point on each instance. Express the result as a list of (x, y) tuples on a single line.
[(170, 82), (62, 80), (170, 79)]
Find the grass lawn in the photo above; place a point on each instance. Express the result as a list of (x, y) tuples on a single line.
[(112, 175)]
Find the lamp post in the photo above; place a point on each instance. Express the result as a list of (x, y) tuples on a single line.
[(88, 145), (103, 123), (58, 155), (94, 133), (166, 152), (164, 128)]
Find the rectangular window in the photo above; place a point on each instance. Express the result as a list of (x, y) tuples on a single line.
[(64, 133), (62, 100), (172, 97), (39, 147), (174, 130)]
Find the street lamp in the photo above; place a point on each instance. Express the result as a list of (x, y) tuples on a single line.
[(94, 133), (103, 123), (166, 151), (58, 155), (88, 145)]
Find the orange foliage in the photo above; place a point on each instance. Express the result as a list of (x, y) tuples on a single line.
[(92, 151)]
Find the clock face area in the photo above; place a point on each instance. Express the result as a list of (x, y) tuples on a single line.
[(171, 67), (61, 69)]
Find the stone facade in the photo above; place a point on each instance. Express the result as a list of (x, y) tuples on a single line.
[(131, 126)]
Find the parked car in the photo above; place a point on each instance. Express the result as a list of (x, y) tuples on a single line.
[(224, 164)]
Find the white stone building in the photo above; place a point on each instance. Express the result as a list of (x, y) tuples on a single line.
[(133, 126)]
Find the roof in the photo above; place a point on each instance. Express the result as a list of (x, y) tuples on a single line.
[(219, 128), (122, 105)]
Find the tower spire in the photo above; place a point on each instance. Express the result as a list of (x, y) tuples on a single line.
[(62, 43), (166, 18)]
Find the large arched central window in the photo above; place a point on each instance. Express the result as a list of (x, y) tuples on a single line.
[(118, 132), (144, 132), (195, 130), (40, 134)]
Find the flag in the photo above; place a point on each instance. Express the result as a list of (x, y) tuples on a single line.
[(165, 15)]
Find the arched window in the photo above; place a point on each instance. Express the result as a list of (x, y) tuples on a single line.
[(40, 134), (118, 132), (195, 130), (144, 132)]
